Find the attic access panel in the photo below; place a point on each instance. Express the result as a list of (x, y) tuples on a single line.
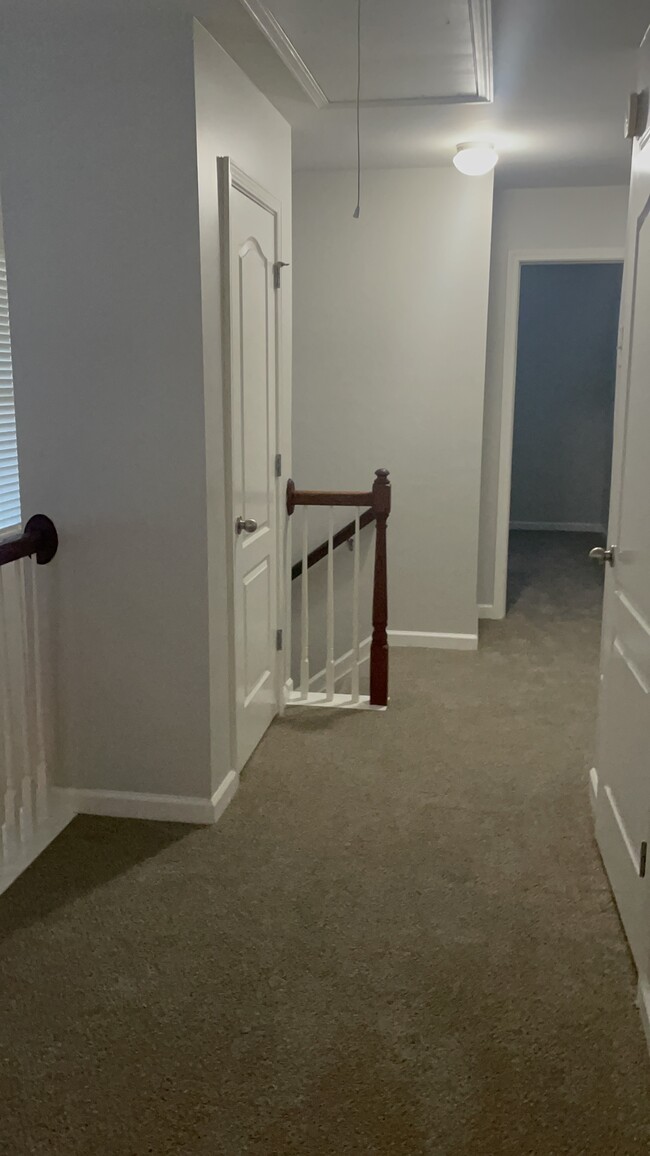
[(423, 51)]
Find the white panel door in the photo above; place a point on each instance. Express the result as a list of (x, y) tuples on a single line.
[(623, 761), (251, 222)]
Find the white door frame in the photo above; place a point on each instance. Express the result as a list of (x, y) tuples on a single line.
[(230, 176), (517, 258)]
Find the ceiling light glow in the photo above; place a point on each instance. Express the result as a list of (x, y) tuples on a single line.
[(475, 158)]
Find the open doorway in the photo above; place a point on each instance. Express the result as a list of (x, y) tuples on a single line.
[(564, 384)]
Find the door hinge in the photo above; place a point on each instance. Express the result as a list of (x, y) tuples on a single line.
[(278, 640), (636, 120), (643, 855), (278, 266), (278, 465)]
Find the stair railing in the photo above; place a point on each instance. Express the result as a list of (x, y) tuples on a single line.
[(24, 788), (376, 504)]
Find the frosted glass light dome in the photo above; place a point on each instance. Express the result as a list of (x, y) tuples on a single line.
[(475, 159)]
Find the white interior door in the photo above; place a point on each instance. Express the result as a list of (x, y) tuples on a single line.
[(250, 223), (623, 763)]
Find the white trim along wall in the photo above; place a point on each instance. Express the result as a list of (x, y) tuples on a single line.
[(544, 225)]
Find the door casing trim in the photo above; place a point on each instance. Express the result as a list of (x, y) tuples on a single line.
[(230, 176), (517, 258)]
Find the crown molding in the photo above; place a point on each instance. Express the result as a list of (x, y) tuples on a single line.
[(275, 33), (480, 15)]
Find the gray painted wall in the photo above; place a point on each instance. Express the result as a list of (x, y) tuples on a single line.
[(113, 262), (566, 369), (99, 190), (389, 360)]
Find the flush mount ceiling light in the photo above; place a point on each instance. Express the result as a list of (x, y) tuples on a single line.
[(475, 158)]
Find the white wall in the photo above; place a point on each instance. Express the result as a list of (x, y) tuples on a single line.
[(234, 120), (531, 219), (389, 359), (108, 258), (564, 408)]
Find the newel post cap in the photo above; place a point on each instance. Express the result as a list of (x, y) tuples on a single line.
[(381, 493)]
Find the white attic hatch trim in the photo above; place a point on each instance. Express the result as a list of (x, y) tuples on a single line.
[(457, 70)]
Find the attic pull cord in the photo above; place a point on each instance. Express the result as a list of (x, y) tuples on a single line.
[(357, 211)]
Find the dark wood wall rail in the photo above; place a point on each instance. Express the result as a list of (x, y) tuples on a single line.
[(379, 501), (326, 497), (39, 537)]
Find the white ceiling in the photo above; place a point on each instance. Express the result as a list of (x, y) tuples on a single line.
[(411, 50), (562, 72)]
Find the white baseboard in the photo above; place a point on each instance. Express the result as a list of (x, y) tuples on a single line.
[(593, 787), (287, 692), (488, 610), (60, 814), (224, 795), (432, 639), (573, 527), (169, 808)]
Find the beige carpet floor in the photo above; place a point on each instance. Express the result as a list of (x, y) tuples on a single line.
[(398, 940)]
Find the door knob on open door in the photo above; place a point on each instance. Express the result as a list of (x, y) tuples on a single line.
[(245, 525), (603, 554)]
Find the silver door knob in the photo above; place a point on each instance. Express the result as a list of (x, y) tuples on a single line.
[(603, 554), (245, 525)]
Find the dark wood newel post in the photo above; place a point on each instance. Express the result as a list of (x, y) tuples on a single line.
[(379, 645)]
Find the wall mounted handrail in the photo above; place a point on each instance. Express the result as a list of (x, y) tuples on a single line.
[(379, 501), (343, 535), (39, 537)]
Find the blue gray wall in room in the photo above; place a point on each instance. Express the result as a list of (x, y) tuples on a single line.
[(566, 368)]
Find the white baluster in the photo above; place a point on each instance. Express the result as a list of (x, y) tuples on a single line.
[(304, 608), (10, 814), (41, 771), (24, 701), (329, 666), (356, 658)]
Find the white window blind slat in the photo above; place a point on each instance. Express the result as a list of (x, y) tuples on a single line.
[(10, 514)]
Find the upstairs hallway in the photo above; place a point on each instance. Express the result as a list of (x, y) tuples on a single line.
[(398, 940)]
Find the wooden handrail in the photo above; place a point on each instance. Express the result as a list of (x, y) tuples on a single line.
[(325, 497), (379, 501), (343, 535), (39, 537)]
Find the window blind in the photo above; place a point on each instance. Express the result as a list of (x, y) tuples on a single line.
[(9, 488)]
